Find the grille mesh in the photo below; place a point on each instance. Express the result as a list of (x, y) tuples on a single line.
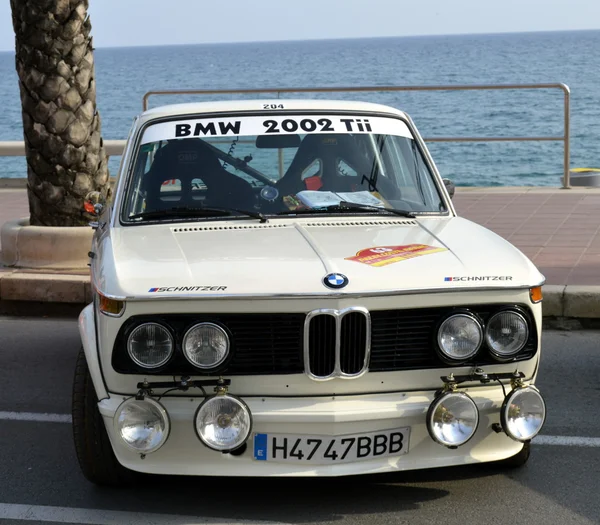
[(321, 341), (404, 339), (353, 341)]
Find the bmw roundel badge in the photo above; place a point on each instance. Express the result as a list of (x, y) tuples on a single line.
[(335, 280)]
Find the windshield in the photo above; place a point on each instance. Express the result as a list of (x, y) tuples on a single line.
[(278, 165)]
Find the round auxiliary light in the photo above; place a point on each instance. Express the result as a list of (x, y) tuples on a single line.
[(206, 345), (459, 337), (142, 424), (223, 422), (452, 419), (523, 413), (150, 345), (506, 334)]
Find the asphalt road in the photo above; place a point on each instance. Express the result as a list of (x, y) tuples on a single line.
[(40, 479)]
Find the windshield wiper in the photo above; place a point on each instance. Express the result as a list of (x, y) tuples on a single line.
[(183, 211), (346, 205)]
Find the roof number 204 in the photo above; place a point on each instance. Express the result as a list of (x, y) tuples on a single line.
[(273, 106)]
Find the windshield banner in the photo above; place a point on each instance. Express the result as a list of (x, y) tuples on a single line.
[(272, 124)]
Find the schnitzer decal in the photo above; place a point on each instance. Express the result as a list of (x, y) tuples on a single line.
[(479, 278), (163, 289), (269, 123), (384, 255)]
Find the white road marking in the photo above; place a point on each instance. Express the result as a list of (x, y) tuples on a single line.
[(561, 441), (39, 513), (567, 441), (33, 416)]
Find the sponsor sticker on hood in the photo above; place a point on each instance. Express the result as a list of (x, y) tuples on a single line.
[(384, 255)]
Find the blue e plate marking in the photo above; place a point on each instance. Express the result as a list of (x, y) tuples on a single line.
[(260, 447)]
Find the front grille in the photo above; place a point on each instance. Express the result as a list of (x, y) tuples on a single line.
[(336, 343), (272, 343)]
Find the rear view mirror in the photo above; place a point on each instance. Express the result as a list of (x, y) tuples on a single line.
[(450, 187), (278, 141)]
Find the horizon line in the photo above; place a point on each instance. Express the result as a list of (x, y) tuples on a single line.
[(325, 39)]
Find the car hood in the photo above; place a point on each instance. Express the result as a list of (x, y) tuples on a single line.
[(287, 257)]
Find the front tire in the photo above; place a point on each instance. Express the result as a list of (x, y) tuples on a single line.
[(92, 444)]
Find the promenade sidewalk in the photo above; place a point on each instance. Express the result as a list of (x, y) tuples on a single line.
[(559, 230)]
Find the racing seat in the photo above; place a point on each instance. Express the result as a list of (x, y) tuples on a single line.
[(330, 149), (187, 160)]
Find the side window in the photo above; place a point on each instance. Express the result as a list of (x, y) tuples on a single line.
[(397, 160), (142, 167), (412, 175)]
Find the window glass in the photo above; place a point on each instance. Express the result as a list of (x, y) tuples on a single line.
[(277, 166)]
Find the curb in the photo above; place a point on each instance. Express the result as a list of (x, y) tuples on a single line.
[(44, 287), (571, 307), (52, 293), (43, 248)]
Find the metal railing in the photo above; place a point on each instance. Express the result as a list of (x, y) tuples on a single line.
[(17, 148), (115, 147)]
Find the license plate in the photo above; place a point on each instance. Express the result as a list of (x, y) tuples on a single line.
[(323, 450)]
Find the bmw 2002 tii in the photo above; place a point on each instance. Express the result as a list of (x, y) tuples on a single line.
[(283, 288)]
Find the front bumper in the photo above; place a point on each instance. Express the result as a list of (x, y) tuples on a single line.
[(184, 454)]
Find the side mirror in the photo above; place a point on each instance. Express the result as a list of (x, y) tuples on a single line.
[(94, 204), (450, 187)]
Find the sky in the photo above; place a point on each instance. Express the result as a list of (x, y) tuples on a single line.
[(119, 23)]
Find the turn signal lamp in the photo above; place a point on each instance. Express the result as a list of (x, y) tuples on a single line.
[(535, 294), (109, 306)]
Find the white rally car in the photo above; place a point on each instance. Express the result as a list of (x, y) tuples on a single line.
[(283, 288)]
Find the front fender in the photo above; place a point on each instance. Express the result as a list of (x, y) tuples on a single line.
[(87, 331)]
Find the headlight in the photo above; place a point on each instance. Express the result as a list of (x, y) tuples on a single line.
[(506, 334), (150, 345), (452, 419), (206, 345), (223, 422), (143, 425), (459, 337), (523, 413)]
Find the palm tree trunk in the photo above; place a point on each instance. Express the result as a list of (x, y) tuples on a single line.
[(55, 64)]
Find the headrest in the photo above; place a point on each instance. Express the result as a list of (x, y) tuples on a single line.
[(184, 156)]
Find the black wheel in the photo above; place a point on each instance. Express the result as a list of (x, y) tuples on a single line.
[(92, 445), (518, 460)]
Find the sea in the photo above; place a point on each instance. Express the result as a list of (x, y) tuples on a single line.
[(123, 75)]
